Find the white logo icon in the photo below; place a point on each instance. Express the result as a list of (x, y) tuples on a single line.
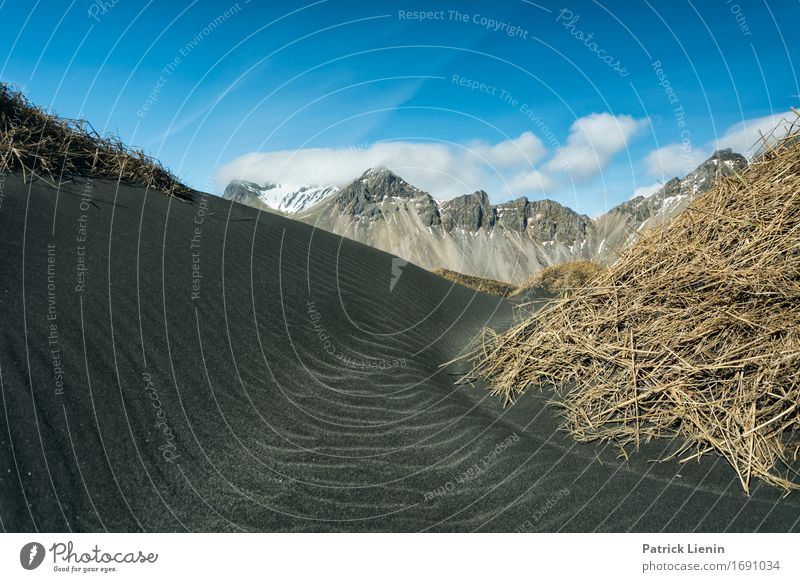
[(31, 555), (397, 270)]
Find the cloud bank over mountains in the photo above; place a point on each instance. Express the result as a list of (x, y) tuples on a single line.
[(521, 165), (518, 166)]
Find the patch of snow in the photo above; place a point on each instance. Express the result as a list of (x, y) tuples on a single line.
[(672, 201), (291, 198)]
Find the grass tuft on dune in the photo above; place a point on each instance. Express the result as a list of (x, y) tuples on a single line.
[(46, 146), (482, 284), (559, 278), (694, 334)]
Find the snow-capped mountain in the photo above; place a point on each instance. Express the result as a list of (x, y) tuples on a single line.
[(467, 234), (619, 226), (284, 198)]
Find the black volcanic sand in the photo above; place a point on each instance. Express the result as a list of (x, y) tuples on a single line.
[(130, 405)]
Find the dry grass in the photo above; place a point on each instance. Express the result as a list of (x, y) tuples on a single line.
[(45, 146), (559, 278), (490, 286), (694, 333)]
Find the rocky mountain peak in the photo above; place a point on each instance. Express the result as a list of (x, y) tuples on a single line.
[(377, 172), (469, 212), (728, 154), (381, 183), (243, 192), (547, 220), (363, 195), (514, 214), (722, 163), (620, 223)]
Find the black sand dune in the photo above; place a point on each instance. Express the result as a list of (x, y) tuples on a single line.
[(128, 403)]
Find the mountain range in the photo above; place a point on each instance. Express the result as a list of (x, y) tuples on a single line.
[(508, 241)]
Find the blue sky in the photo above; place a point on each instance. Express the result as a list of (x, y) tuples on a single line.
[(584, 102)]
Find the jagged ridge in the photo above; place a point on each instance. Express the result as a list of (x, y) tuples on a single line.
[(508, 241)]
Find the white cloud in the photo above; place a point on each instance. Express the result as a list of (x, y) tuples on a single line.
[(444, 170), (505, 169), (593, 140), (743, 136), (527, 149), (533, 182), (647, 190), (677, 159)]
